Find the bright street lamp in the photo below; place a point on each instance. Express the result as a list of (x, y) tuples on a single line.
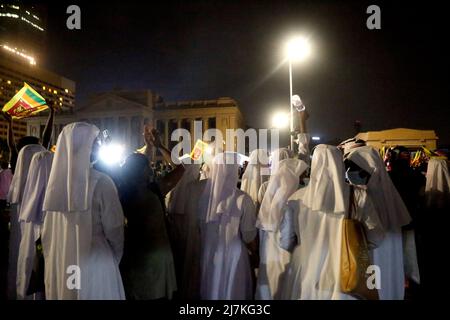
[(297, 49)]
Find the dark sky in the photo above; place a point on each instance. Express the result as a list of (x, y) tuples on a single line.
[(388, 78)]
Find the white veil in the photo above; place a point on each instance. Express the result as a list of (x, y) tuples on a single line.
[(253, 177), (34, 192), (437, 189), (326, 191), (67, 189), (282, 184), (21, 173), (390, 207), (221, 186)]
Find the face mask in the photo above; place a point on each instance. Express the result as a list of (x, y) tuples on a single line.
[(354, 178)]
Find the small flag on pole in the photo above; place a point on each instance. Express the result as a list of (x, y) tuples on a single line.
[(198, 150), (25, 103)]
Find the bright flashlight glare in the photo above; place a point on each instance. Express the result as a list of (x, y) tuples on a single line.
[(280, 120), (298, 49), (111, 153)]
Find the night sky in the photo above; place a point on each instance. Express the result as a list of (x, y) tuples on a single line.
[(388, 78)]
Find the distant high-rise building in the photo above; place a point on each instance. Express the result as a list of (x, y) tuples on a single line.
[(22, 47), (23, 30)]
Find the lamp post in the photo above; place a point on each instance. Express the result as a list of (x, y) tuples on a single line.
[(297, 49)]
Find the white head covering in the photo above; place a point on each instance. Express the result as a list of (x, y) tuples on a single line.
[(277, 156), (437, 189), (282, 185), (327, 191), (349, 144), (390, 207), (180, 193), (221, 187), (253, 176), (21, 172), (67, 189), (34, 192)]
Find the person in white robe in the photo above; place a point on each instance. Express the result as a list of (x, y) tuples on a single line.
[(83, 230), (228, 234), (380, 201), (273, 259), (311, 229), (275, 158), (437, 188), (176, 200), (256, 173), (15, 197), (195, 224), (31, 218)]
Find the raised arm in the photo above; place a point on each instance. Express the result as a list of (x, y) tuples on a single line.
[(11, 143), (153, 140), (303, 136), (47, 135)]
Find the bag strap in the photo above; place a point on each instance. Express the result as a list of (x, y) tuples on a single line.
[(351, 203)]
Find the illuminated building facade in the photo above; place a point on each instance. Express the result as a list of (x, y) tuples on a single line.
[(124, 114)]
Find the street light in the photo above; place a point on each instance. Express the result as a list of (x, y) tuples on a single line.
[(297, 49)]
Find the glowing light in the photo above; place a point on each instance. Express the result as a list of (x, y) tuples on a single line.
[(55, 92), (60, 99), (316, 138), (9, 15), (30, 59), (298, 49), (280, 120), (8, 82), (111, 154), (33, 24), (43, 88), (66, 90)]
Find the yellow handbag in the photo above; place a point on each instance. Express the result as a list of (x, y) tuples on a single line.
[(355, 257)]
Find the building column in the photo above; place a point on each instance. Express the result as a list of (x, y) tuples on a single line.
[(166, 132), (205, 124)]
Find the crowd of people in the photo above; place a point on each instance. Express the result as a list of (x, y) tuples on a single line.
[(187, 231)]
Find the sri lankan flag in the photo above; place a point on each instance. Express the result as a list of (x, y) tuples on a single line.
[(199, 149), (25, 103)]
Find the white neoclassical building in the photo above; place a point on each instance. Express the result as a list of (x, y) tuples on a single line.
[(124, 114)]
